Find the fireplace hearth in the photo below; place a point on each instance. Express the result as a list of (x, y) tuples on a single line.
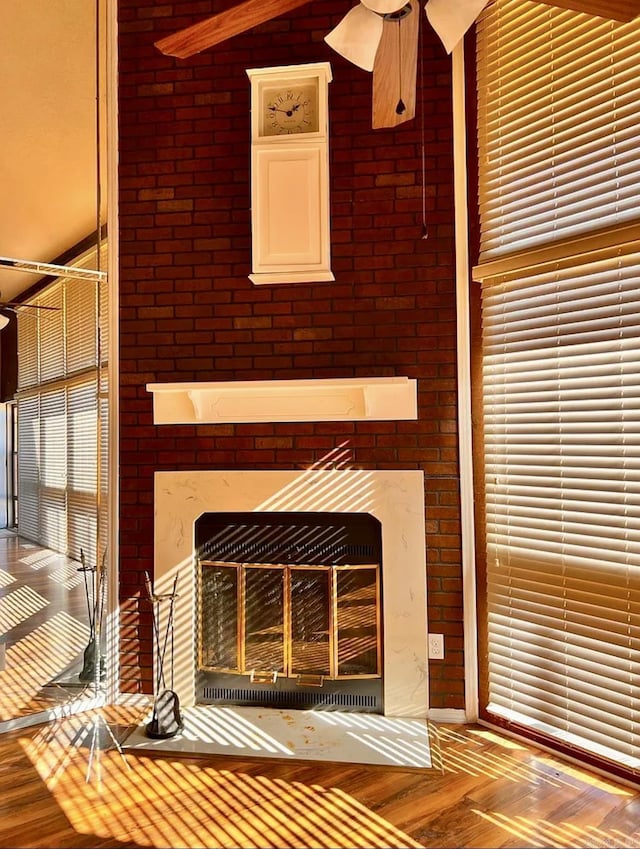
[(289, 610)]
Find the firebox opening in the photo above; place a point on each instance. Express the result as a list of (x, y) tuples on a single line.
[(290, 610)]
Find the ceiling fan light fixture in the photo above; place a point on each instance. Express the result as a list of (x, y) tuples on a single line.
[(4, 320), (357, 36)]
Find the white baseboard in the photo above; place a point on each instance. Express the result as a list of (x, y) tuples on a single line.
[(453, 716)]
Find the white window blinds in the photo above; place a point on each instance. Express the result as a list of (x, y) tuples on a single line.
[(53, 469), (559, 167), (28, 467), (63, 426), (562, 454), (558, 101), (82, 467)]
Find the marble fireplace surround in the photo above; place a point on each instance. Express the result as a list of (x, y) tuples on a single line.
[(395, 498)]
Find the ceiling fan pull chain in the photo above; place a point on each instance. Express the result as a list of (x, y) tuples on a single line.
[(400, 108)]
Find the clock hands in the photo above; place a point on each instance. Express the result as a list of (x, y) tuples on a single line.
[(287, 112)]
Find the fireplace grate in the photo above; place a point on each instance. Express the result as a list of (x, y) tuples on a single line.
[(263, 605), (287, 698)]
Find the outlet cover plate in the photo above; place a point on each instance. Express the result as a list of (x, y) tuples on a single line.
[(436, 646)]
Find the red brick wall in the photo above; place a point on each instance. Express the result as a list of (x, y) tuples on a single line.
[(189, 312)]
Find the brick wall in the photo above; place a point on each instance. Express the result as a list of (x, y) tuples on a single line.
[(189, 312)]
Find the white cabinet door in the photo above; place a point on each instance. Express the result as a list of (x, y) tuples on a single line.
[(290, 212)]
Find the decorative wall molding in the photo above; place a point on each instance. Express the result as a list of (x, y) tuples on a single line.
[(347, 399)]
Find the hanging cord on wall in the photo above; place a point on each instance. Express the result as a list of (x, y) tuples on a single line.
[(98, 127), (425, 228), (98, 58)]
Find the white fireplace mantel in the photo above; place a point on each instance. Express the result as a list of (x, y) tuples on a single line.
[(395, 498), (346, 399)]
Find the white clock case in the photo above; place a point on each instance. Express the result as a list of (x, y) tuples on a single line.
[(290, 211)]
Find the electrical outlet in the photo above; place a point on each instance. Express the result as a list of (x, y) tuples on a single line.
[(436, 646)]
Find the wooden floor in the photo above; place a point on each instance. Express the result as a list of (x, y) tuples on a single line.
[(67, 784), (44, 627)]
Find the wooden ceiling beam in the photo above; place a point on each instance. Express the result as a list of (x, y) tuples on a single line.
[(617, 10)]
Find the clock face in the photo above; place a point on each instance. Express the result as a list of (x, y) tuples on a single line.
[(290, 110)]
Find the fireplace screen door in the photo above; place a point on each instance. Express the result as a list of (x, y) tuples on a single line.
[(309, 623)]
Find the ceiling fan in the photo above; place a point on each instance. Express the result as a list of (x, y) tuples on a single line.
[(377, 35), (382, 36), (14, 306), (31, 267)]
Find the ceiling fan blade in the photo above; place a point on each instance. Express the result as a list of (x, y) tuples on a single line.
[(198, 37), (357, 37), (395, 70)]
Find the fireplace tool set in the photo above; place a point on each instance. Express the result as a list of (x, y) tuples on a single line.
[(96, 734), (166, 720), (93, 668)]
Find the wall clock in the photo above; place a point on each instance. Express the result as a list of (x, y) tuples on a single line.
[(290, 174), (289, 110)]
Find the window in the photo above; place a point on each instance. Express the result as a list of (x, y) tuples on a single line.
[(62, 417), (12, 464), (559, 195)]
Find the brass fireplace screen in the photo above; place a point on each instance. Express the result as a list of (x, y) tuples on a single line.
[(310, 623)]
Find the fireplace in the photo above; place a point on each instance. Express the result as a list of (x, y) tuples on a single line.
[(391, 501), (289, 610)]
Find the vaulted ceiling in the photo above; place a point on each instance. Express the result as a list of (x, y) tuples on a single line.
[(48, 157)]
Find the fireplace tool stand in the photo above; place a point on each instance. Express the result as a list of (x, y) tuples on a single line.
[(96, 734), (93, 667), (166, 720)]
